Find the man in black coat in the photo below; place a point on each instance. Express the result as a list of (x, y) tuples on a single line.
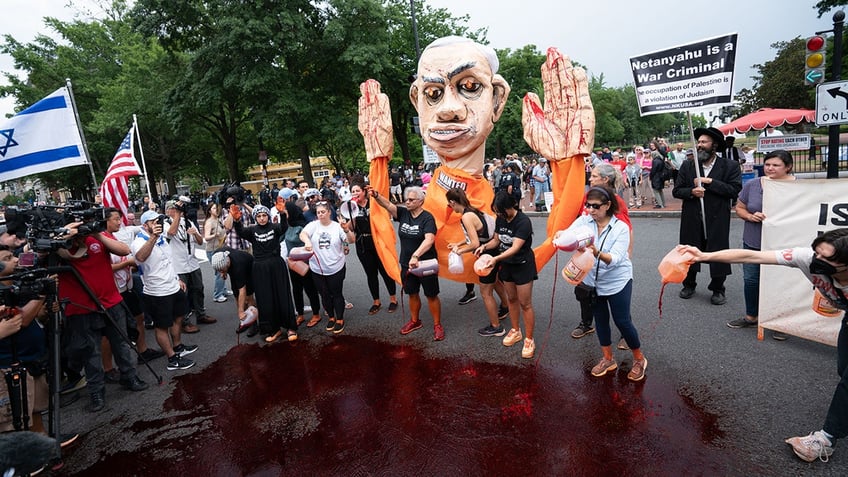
[(718, 185)]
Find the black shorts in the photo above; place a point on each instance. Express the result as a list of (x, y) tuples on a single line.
[(133, 303), (165, 309), (519, 274), (412, 284)]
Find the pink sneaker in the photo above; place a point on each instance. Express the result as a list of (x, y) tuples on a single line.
[(438, 333), (410, 326)]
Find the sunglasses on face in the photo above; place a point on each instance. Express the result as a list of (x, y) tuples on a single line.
[(590, 205), (409, 199)]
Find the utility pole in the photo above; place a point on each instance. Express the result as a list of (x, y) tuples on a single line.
[(836, 75)]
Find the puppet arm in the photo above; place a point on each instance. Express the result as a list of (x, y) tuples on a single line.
[(563, 132), (375, 124)]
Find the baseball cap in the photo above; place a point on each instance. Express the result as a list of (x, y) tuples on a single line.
[(149, 215), (286, 193), (171, 204), (311, 192), (690, 151)]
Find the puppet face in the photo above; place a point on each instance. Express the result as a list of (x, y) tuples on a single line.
[(458, 101)]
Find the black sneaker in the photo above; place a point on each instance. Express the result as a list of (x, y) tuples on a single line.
[(134, 384), (490, 330), (718, 298), (468, 298), (150, 354), (176, 362), (184, 349), (97, 403), (686, 293), (503, 312), (582, 330), (741, 323), (113, 376)]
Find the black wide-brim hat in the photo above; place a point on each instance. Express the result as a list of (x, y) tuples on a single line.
[(715, 134)]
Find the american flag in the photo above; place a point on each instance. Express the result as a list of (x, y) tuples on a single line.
[(114, 190)]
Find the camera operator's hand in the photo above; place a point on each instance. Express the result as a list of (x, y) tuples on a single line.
[(10, 325), (73, 229), (156, 230), (235, 211)]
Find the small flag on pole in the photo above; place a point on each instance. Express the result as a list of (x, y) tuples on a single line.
[(114, 190), (41, 138)]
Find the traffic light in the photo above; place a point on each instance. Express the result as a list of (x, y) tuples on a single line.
[(814, 63)]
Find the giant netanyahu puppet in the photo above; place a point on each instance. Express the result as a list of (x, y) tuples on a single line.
[(459, 96)]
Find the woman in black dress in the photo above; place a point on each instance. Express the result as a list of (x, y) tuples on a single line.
[(271, 285)]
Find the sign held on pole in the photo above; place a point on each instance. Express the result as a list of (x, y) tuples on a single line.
[(685, 77)]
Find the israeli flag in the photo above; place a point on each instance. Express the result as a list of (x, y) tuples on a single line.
[(41, 138)]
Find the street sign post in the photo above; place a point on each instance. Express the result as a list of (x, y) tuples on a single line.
[(832, 103)]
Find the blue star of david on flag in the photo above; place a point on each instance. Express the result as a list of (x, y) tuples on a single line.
[(7, 133)]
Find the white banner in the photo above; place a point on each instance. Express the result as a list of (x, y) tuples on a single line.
[(685, 77), (796, 212), (41, 138), (793, 142)]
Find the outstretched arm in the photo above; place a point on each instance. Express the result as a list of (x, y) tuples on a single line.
[(375, 124), (731, 255), (563, 132)]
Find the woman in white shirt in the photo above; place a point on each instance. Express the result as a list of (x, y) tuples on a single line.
[(329, 243)]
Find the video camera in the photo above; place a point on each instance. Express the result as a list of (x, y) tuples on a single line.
[(25, 286), (45, 226), (234, 190)]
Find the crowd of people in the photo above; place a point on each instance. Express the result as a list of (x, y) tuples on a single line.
[(276, 258)]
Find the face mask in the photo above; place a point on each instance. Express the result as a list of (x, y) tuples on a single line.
[(820, 267)]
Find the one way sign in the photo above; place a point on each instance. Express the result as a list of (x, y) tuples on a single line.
[(832, 103)]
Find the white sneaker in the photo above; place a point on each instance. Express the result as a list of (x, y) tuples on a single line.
[(514, 336), (221, 299), (529, 348), (812, 447)]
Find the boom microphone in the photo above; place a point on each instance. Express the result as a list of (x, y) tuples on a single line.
[(25, 452)]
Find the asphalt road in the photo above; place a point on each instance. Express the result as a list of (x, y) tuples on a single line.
[(759, 392)]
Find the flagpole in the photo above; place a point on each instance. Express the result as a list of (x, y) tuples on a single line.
[(697, 171), (141, 153), (82, 135)]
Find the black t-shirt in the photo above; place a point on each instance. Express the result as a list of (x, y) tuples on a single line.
[(520, 227), (411, 233), (241, 269), (395, 178)]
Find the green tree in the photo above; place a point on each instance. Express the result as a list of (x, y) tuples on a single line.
[(521, 69), (824, 6), (779, 83)]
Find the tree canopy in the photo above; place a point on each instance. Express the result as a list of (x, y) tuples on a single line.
[(213, 81)]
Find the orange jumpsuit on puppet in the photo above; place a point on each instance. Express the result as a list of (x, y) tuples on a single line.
[(459, 97)]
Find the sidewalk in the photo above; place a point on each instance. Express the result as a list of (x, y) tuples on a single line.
[(672, 207)]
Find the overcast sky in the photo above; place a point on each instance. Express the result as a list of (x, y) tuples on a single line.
[(604, 34), (601, 34)]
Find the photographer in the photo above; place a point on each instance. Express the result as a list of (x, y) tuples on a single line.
[(183, 237), (23, 340), (26, 345), (86, 324), (229, 196), (164, 293)]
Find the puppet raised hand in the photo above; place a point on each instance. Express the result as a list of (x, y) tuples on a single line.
[(563, 132), (566, 126), (375, 122)]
